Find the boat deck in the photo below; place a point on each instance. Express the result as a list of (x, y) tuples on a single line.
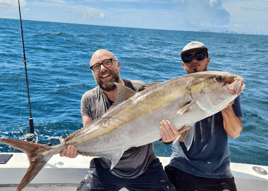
[(62, 173)]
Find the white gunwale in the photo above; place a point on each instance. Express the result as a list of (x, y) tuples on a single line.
[(65, 173)]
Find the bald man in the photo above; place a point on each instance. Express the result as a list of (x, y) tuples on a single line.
[(138, 169)]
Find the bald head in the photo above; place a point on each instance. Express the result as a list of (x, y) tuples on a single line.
[(104, 75), (100, 55)]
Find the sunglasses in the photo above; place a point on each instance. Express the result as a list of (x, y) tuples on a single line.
[(189, 57)]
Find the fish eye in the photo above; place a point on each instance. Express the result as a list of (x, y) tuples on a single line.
[(219, 78)]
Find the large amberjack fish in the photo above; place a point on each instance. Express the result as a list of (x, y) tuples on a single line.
[(135, 117)]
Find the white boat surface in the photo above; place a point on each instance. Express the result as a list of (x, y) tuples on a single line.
[(61, 173)]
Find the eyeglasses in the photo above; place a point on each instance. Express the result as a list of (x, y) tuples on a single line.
[(106, 63), (189, 57)]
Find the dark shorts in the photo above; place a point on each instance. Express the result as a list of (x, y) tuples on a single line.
[(187, 182), (153, 179)]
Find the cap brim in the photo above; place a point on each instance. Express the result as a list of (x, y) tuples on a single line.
[(194, 49)]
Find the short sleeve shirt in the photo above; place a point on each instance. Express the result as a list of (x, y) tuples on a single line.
[(134, 162), (209, 155)]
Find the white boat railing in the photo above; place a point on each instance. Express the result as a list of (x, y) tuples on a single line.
[(62, 173)]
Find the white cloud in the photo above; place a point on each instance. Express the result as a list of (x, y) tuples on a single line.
[(214, 15), (203, 14), (124, 0), (102, 15), (87, 13), (9, 8), (239, 26), (56, 1), (12, 3), (248, 16), (50, 10), (261, 27), (213, 1)]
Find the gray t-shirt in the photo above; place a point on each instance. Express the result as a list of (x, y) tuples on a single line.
[(134, 162), (209, 155)]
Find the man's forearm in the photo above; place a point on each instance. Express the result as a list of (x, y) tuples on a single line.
[(232, 124)]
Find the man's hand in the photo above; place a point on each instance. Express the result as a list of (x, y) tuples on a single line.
[(169, 132), (70, 151), (236, 86)]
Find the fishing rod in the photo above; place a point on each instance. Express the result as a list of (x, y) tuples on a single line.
[(28, 137)]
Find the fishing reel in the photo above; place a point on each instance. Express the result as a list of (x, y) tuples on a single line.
[(31, 137)]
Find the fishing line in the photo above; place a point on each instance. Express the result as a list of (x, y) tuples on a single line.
[(29, 137)]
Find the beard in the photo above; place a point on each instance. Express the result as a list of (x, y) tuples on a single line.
[(108, 85), (197, 68)]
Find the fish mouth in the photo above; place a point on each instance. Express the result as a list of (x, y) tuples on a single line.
[(235, 84), (243, 86)]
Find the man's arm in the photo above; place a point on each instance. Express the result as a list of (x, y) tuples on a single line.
[(86, 120), (71, 150), (232, 125)]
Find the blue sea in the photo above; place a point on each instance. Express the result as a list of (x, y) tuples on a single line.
[(58, 56)]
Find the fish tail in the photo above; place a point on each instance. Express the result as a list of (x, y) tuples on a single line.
[(38, 156)]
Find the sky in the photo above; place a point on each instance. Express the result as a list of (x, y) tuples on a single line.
[(239, 16)]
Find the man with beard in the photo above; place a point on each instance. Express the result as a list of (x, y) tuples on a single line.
[(138, 169), (205, 166)]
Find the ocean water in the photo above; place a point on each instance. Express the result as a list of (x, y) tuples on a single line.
[(58, 57)]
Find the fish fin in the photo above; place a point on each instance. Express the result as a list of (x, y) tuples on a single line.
[(183, 134), (205, 109), (176, 140), (184, 109), (188, 137), (35, 155), (123, 94), (151, 85), (113, 156)]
